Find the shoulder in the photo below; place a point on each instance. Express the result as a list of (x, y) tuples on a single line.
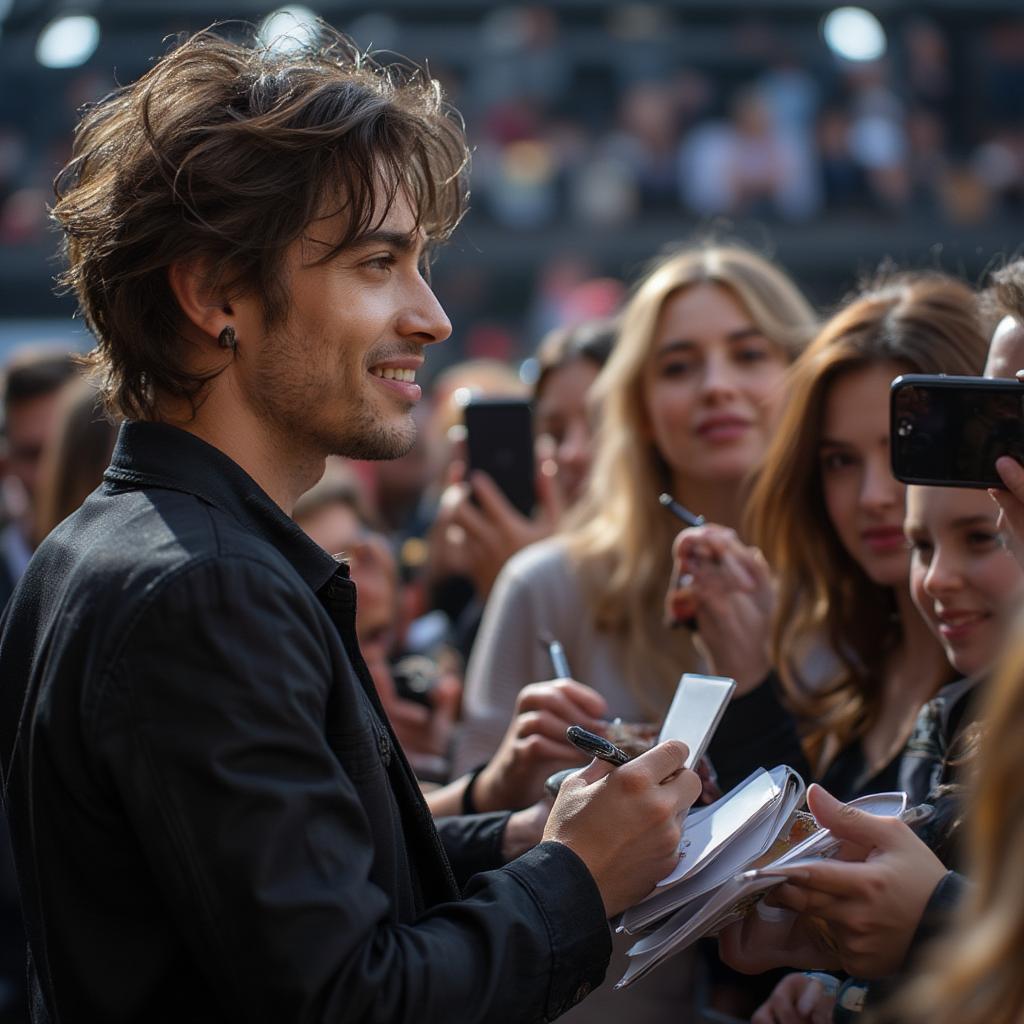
[(546, 562), (125, 557)]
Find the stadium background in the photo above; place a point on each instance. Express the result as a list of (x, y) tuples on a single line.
[(602, 132)]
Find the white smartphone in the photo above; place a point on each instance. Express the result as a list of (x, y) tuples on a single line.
[(696, 710)]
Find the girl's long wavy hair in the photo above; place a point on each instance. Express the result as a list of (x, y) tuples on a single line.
[(923, 323), (619, 535), (973, 975)]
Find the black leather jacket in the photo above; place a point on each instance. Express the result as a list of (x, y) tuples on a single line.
[(211, 817)]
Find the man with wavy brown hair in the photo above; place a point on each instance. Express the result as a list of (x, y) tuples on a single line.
[(211, 816)]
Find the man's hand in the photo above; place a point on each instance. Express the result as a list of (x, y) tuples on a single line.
[(534, 745), (730, 591), (624, 823), (873, 906)]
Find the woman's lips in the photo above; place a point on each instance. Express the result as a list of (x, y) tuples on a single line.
[(884, 539), (723, 428), (957, 626)]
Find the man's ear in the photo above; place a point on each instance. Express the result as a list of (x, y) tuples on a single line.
[(203, 307)]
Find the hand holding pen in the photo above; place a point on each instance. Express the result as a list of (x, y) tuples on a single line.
[(624, 822)]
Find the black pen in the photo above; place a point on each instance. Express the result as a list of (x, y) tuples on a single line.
[(596, 746), (680, 511)]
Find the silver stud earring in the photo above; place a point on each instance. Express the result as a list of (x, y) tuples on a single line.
[(227, 339)]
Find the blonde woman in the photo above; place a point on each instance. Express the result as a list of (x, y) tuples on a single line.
[(687, 402)]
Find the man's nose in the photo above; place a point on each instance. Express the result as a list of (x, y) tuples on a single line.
[(423, 318)]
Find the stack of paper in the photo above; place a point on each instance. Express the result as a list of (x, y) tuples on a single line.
[(755, 826)]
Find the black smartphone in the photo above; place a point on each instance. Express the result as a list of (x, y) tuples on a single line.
[(949, 431), (499, 440)]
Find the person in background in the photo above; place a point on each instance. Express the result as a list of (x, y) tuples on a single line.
[(688, 402), (968, 588), (491, 530), (34, 380), (971, 974), (34, 383), (333, 514), (73, 465)]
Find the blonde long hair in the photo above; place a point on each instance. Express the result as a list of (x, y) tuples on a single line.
[(973, 976), (619, 536), (926, 323)]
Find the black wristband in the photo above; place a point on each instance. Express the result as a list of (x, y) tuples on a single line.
[(468, 806)]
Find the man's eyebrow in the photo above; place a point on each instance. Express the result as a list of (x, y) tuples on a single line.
[(402, 241)]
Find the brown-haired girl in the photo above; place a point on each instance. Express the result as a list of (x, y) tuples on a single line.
[(854, 661)]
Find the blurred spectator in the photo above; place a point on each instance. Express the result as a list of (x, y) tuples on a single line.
[(333, 514), (749, 166), (74, 463), (34, 381)]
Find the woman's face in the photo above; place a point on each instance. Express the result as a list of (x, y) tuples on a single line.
[(711, 386), (865, 502), (561, 414), (963, 580)]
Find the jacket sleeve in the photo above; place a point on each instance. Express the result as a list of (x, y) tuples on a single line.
[(756, 731), (210, 726), (473, 842)]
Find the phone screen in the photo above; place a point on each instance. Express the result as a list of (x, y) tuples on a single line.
[(499, 440), (949, 431)]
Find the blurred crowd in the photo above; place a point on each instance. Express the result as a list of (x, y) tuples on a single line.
[(766, 123), (718, 382)]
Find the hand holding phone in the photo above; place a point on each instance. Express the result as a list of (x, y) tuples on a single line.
[(948, 431)]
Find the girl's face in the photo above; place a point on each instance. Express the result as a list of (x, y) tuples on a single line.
[(711, 386), (963, 580), (561, 414), (865, 502)]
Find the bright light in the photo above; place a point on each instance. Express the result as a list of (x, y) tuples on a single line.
[(67, 42), (289, 29), (854, 34)]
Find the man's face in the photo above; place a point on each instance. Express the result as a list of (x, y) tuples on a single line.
[(31, 426), (338, 376)]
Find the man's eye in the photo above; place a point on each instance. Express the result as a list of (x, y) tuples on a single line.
[(385, 261)]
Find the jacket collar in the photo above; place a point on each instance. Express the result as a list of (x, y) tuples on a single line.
[(159, 455)]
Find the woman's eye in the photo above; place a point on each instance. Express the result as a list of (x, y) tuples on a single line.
[(751, 355), (984, 539), (921, 549), (835, 461), (677, 368)]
